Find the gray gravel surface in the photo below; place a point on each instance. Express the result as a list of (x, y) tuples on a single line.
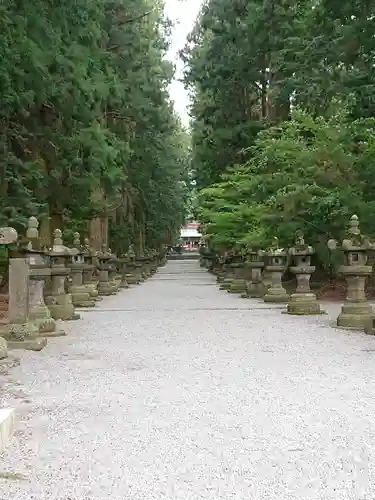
[(175, 390)]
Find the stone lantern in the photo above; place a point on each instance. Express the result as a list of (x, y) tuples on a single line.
[(39, 271), (89, 256), (80, 293), (303, 300), (154, 260), (356, 312), (59, 302), (124, 260), (104, 286), (276, 265), (255, 263), (113, 271), (131, 277)]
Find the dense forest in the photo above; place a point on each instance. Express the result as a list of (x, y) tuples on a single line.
[(283, 129), (87, 129)]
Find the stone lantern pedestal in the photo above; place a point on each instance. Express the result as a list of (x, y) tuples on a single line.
[(238, 284), (356, 312), (303, 300), (59, 302), (276, 265)]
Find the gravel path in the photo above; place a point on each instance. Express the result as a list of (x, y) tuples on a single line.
[(177, 391)]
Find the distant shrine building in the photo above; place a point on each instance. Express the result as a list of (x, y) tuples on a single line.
[(190, 235)]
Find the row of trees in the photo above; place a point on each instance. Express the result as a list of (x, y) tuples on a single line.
[(86, 125), (282, 131)]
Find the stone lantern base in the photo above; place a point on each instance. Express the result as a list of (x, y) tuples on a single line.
[(23, 336), (238, 285), (61, 307), (41, 317), (276, 296), (303, 304), (226, 283), (220, 276), (256, 290), (81, 297), (132, 279), (105, 288), (355, 315), (275, 292), (92, 290)]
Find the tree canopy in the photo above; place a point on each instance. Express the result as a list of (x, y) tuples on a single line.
[(282, 129), (87, 128)]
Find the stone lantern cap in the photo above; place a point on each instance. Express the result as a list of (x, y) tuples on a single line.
[(58, 248), (36, 256), (355, 241), (255, 258), (8, 235), (274, 250), (104, 254), (355, 248), (87, 251), (76, 253), (112, 257), (76, 250), (58, 254), (301, 256), (300, 247)]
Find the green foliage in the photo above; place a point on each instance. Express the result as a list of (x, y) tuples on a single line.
[(86, 125), (282, 134)]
